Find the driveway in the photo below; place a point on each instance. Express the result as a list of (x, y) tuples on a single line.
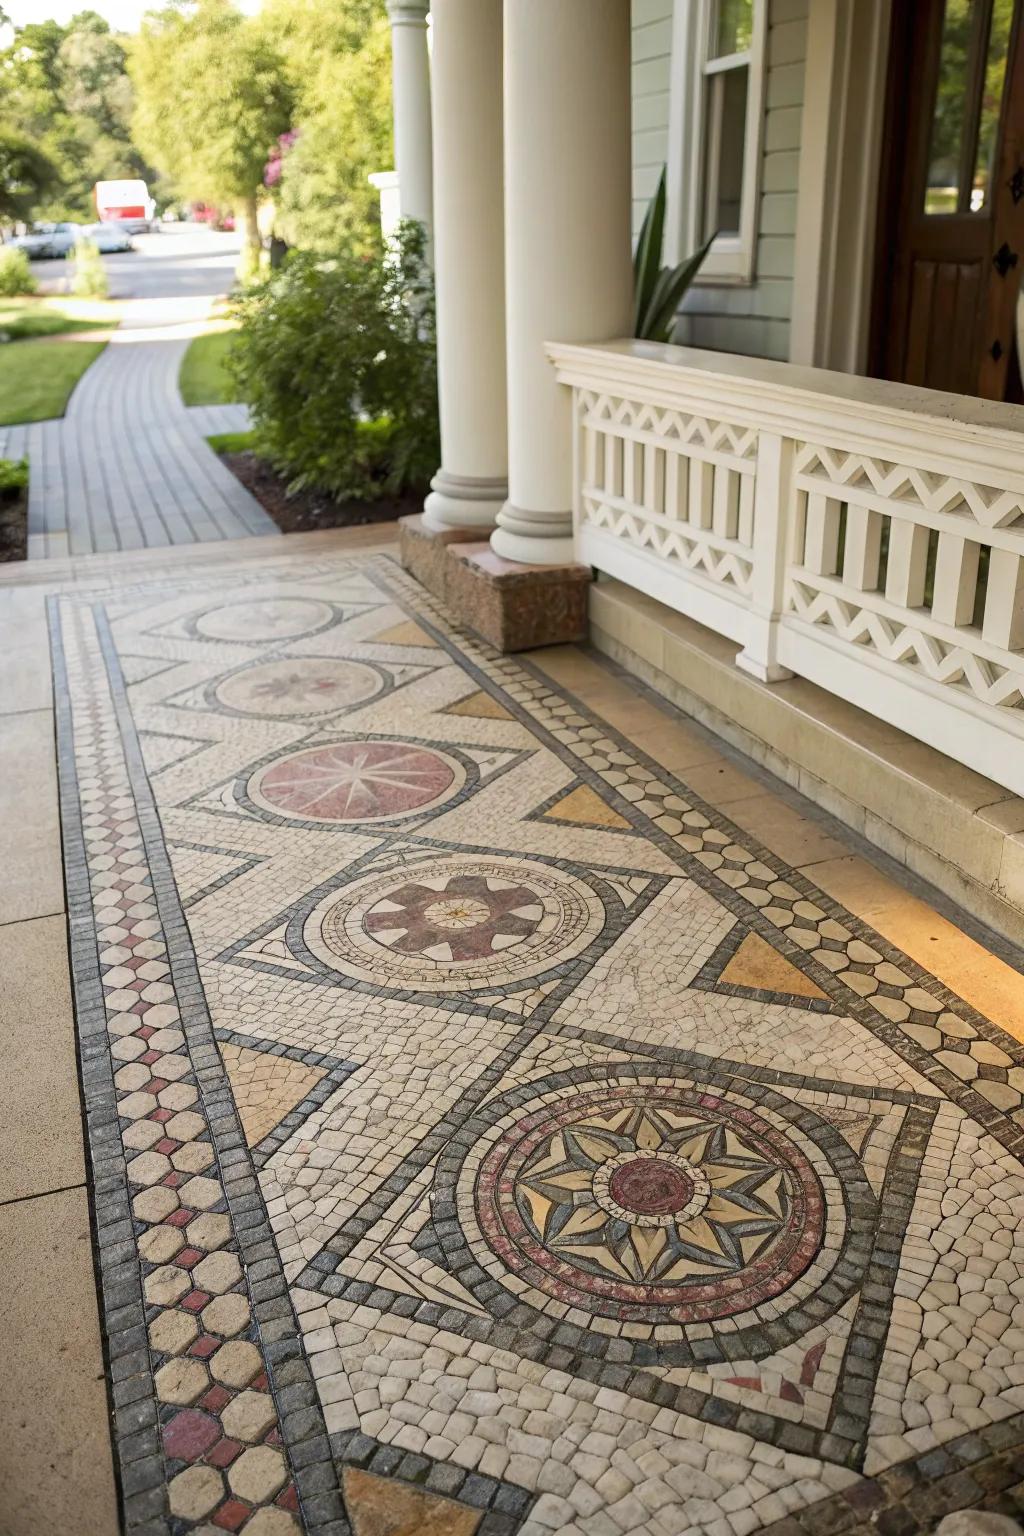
[(128, 467)]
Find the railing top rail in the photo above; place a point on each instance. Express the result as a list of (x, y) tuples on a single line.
[(799, 401)]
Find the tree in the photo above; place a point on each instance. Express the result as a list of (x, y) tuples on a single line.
[(65, 89), (338, 58), (211, 101), (27, 176)]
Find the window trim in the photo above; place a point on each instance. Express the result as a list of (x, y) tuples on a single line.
[(732, 258)]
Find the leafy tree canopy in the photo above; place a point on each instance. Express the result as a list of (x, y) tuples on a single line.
[(212, 97), (65, 89)]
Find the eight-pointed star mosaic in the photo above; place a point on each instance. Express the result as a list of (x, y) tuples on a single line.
[(492, 1115)]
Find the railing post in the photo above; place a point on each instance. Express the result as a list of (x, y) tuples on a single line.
[(772, 497)]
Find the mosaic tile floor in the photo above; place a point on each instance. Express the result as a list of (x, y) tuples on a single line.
[(485, 1135)]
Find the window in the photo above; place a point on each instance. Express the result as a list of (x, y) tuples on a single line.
[(718, 86)]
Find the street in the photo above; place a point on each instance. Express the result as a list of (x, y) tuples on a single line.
[(177, 261)]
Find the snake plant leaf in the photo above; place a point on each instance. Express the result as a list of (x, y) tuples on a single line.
[(669, 291), (647, 261)]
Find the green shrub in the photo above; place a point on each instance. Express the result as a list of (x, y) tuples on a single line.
[(13, 478), (15, 273), (90, 280), (336, 358)]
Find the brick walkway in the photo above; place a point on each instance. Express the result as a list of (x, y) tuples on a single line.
[(128, 467)]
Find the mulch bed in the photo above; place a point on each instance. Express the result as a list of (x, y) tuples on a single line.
[(306, 511), (13, 525)]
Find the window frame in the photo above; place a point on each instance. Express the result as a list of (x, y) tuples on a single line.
[(732, 257)]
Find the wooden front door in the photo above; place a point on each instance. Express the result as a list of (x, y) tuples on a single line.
[(951, 230)]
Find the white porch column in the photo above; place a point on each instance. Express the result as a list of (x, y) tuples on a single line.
[(469, 265), (410, 74), (568, 265)]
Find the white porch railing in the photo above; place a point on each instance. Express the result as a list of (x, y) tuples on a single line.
[(867, 536)]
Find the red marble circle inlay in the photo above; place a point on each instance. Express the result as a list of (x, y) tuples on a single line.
[(356, 781), (650, 1188)]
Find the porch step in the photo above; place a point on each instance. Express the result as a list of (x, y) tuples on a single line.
[(954, 828)]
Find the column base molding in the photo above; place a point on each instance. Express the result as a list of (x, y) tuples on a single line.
[(423, 549), (514, 606), (533, 538), (464, 502)]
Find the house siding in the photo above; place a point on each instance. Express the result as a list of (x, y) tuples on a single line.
[(652, 47), (753, 318)]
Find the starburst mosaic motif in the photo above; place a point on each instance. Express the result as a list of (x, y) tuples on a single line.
[(460, 918), (663, 1197), (298, 686), (356, 781)]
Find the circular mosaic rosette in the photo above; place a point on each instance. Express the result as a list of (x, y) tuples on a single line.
[(298, 687), (257, 620), (356, 782), (651, 1206), (459, 922)]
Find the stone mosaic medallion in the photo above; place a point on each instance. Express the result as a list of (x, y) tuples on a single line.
[(457, 922), (598, 1183), (298, 687), (654, 1202), (356, 781), (257, 620)]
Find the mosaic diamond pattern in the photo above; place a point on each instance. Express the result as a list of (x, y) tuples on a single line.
[(486, 1133)]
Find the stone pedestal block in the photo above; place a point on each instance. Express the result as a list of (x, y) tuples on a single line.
[(423, 549), (516, 607)]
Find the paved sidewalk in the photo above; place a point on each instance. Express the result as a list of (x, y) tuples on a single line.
[(128, 466), (508, 1111)]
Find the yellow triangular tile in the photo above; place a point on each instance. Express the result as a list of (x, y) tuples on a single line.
[(406, 633), (756, 964), (586, 808), (384, 1506), (480, 706), (265, 1087)]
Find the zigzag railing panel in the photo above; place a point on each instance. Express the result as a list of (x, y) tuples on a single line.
[(863, 535), (679, 486), (922, 570)]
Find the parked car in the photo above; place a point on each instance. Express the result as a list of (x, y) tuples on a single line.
[(107, 238), (47, 240)]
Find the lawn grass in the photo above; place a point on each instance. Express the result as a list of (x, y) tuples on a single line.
[(232, 442), (37, 377), (26, 318), (204, 378)]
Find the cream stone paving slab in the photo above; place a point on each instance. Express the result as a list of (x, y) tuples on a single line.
[(25, 679), (56, 1473), (40, 1124), (30, 884)]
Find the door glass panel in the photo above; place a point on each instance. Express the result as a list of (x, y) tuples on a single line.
[(968, 102), (991, 102), (949, 123), (731, 33)]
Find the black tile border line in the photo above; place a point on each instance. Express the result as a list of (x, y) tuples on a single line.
[(709, 977), (136, 1446), (981, 1469), (303, 1431), (568, 1348), (330, 568), (503, 1505), (390, 852), (335, 1070), (997, 1123)]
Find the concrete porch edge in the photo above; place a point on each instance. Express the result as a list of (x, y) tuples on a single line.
[(959, 831)]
